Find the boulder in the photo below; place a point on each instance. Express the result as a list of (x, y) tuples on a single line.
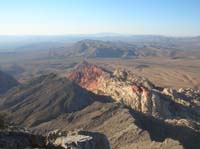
[(76, 140)]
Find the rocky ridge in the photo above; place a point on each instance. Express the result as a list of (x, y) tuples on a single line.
[(76, 139), (126, 110), (180, 107), (122, 127)]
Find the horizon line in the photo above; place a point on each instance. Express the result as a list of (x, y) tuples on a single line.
[(112, 34)]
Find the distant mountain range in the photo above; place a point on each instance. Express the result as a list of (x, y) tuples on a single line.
[(10, 43)]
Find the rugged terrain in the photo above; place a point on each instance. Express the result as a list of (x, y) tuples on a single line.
[(43, 99), (131, 93), (141, 95), (123, 127), (175, 107), (13, 137), (128, 109), (165, 61)]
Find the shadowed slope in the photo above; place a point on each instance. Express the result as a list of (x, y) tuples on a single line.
[(6, 82), (44, 99)]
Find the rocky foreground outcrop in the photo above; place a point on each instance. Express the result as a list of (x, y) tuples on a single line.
[(181, 107), (57, 139), (124, 128), (76, 139)]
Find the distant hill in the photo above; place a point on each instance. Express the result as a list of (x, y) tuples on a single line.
[(103, 45), (6, 82), (108, 49), (44, 42), (97, 48)]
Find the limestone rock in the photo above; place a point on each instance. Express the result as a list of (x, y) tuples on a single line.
[(76, 140)]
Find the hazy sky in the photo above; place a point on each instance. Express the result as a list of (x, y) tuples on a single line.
[(164, 17)]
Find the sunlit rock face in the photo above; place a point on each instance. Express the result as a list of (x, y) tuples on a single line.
[(139, 93), (87, 75), (123, 86)]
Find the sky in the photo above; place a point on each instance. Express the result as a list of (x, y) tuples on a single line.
[(62, 17)]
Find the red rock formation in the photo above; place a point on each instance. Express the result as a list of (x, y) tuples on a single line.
[(86, 75), (137, 89), (134, 91)]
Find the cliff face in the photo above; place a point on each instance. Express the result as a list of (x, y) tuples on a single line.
[(140, 94)]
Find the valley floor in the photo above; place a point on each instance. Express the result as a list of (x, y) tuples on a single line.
[(165, 72)]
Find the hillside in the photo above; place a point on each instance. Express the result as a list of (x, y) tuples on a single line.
[(6, 82), (43, 99), (107, 49), (96, 48), (128, 109), (124, 128), (112, 49)]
